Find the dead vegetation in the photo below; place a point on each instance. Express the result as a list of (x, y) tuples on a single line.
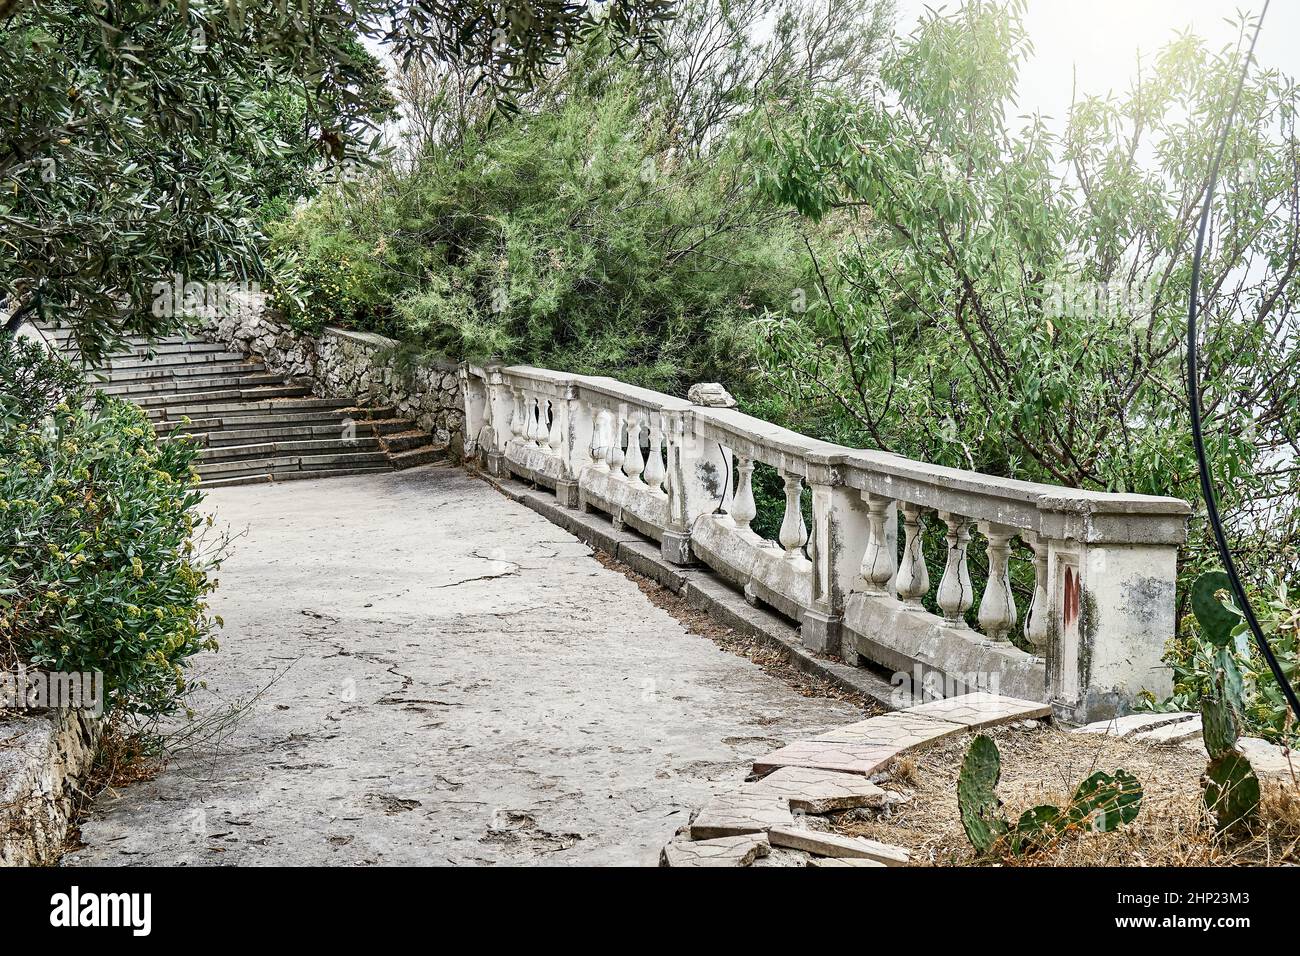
[(1041, 764)]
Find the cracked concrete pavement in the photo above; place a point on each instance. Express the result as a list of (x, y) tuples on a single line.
[(445, 678)]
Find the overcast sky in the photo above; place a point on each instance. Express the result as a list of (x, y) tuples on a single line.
[(1101, 38)]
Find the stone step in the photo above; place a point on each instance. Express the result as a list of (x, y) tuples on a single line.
[(244, 407), (414, 457), (290, 431), (190, 385), (219, 398), (291, 476), (396, 442), (290, 463), (150, 371), (271, 449), (126, 362), (285, 419)]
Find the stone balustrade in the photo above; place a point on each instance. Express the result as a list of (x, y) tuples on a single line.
[(849, 563)]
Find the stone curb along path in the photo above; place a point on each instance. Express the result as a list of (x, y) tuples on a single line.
[(825, 774)]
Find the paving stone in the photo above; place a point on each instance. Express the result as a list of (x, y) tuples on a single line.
[(980, 710), (780, 856), (744, 811), (724, 851), (833, 844), (1171, 733), (900, 730), (839, 755), (811, 790), (1269, 761), (828, 861), (1132, 723)]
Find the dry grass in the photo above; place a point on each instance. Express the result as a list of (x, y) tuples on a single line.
[(772, 660), (1044, 765)]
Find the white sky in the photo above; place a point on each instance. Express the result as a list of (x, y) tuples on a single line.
[(1101, 38)]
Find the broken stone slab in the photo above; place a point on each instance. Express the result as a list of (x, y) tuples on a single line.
[(812, 790), (780, 856), (1133, 723), (744, 811), (900, 730), (862, 759), (979, 710), (842, 861), (833, 844), (1269, 761), (723, 851), (1171, 733)]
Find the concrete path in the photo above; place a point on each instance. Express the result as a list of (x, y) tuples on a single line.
[(456, 681)]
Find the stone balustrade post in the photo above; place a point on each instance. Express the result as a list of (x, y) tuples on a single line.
[(841, 528)]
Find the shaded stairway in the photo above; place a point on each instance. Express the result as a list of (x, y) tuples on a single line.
[(251, 424)]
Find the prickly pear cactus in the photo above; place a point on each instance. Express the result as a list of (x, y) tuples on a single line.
[(1218, 727), (977, 794), (1231, 791), (1217, 620), (1103, 802)]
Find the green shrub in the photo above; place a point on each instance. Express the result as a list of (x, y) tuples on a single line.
[(100, 566)]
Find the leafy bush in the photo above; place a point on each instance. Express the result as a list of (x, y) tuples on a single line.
[(1199, 663), (100, 567)]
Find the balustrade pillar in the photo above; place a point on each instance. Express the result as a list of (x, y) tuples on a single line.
[(997, 614), (743, 508), (955, 595), (633, 462), (913, 574), (1038, 621), (654, 467), (879, 563), (614, 453), (794, 531)]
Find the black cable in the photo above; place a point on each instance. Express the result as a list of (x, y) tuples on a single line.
[(1194, 400)]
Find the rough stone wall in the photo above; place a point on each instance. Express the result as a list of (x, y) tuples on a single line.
[(352, 365), (44, 759)]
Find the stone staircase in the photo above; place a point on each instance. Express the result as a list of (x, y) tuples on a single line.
[(252, 424)]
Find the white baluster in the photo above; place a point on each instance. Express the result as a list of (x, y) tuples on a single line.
[(654, 466), (534, 431), (543, 425), (794, 532), (633, 462), (913, 575), (555, 435), (997, 614), (879, 561), (955, 595), (1040, 610), (614, 453), (599, 433), (743, 509), (517, 423)]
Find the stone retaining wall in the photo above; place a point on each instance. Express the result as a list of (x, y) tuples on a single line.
[(351, 365), (44, 759)]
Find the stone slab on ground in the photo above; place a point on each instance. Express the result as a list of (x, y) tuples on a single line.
[(435, 674), (780, 856), (743, 811), (1133, 723), (811, 790), (833, 844), (1184, 730), (827, 755), (901, 730), (834, 861), (723, 851), (980, 710), (1269, 761)]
